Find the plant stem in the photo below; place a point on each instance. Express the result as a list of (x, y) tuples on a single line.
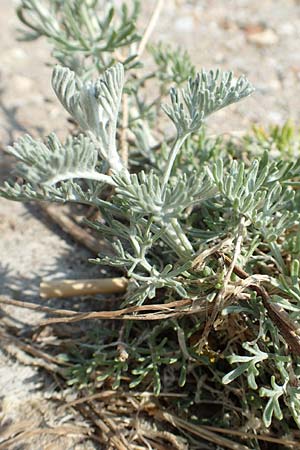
[(102, 178), (150, 27), (123, 135), (173, 153), (278, 258)]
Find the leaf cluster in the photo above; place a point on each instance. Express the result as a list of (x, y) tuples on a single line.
[(84, 34)]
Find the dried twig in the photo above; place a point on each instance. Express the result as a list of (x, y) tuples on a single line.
[(27, 360), (107, 435), (60, 431), (159, 311), (60, 312), (78, 233), (197, 430), (166, 436), (220, 297), (150, 27), (288, 329), (202, 255), (9, 431), (261, 437), (131, 394), (21, 351), (116, 435)]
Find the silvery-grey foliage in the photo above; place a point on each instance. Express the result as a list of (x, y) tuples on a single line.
[(85, 34), (94, 105), (143, 193), (51, 163), (206, 93), (172, 205)]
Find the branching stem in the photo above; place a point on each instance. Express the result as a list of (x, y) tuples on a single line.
[(220, 297)]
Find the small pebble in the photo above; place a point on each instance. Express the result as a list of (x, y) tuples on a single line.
[(185, 23), (263, 38), (275, 117)]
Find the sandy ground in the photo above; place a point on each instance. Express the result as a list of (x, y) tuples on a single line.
[(254, 37)]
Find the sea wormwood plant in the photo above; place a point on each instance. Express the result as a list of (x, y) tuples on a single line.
[(191, 222)]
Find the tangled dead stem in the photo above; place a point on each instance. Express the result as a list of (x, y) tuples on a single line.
[(162, 374)]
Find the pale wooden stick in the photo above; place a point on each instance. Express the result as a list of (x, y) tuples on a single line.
[(71, 288), (150, 27)]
